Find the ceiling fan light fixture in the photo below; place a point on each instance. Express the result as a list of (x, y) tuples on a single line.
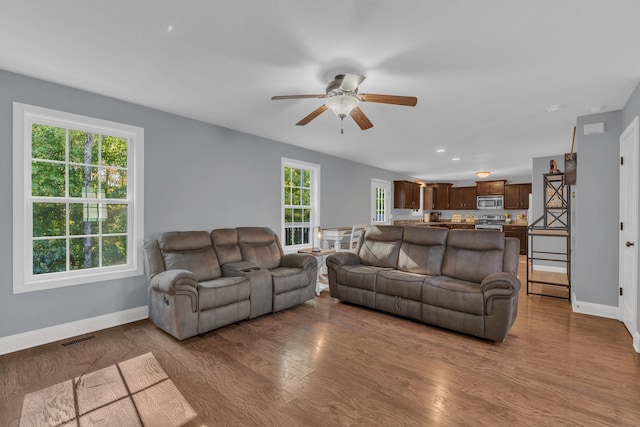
[(342, 105), (483, 174)]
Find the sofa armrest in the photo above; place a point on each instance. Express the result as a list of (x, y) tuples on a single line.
[(303, 261), (174, 282), (339, 259), (501, 280)]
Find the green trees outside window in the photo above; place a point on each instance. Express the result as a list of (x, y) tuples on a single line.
[(297, 206), (79, 199)]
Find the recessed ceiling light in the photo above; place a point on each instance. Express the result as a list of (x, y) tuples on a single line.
[(455, 158), (170, 28), (440, 150), (553, 108)]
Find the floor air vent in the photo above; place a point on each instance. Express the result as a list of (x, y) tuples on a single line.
[(78, 340)]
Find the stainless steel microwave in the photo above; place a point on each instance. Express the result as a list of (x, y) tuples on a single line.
[(490, 202)]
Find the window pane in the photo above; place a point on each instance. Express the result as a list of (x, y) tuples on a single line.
[(307, 215), (114, 250), (287, 176), (295, 177), (114, 183), (83, 253), (306, 179), (288, 216), (306, 198), (49, 219), (295, 200), (83, 147), (116, 219), (48, 142), (297, 215), (287, 195), (305, 235), (47, 179), (49, 256), (83, 181), (298, 236), (78, 212), (114, 151)]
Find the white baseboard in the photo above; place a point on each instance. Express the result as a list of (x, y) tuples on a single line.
[(550, 269), (593, 309), (66, 330)]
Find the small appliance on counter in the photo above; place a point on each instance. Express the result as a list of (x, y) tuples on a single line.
[(434, 216)]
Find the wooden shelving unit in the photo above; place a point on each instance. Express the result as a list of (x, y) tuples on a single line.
[(555, 223)]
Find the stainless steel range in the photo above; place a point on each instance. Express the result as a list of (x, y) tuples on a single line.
[(490, 222)]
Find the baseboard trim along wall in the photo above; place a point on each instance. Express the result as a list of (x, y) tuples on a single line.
[(66, 330), (593, 309)]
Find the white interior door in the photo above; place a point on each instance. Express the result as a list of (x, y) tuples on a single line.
[(628, 244), (380, 203)]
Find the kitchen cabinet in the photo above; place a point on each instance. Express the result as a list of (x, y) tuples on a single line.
[(436, 196), (516, 196), (406, 195), (490, 188), (462, 198), (519, 232), (463, 226)]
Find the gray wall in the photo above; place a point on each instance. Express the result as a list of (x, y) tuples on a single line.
[(197, 176), (629, 112), (595, 224)]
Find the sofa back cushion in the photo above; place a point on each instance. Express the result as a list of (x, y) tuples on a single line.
[(473, 254), (422, 250), (380, 245), (225, 243), (259, 245), (190, 250)]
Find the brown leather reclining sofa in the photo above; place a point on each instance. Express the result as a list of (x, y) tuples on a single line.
[(200, 281), (464, 280)]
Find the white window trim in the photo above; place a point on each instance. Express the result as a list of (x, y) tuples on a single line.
[(315, 199), (23, 278)]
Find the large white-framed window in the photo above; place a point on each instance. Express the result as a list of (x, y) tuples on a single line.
[(77, 199), (300, 203)]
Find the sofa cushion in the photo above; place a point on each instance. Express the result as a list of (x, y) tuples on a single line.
[(259, 245), (222, 291), (225, 243), (286, 279), (400, 283), (381, 245), (190, 250), (422, 250), (359, 276), (453, 294), (473, 254)]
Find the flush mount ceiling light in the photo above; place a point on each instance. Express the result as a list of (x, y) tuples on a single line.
[(483, 174), (440, 150)]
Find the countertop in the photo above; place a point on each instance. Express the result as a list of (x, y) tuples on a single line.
[(445, 222)]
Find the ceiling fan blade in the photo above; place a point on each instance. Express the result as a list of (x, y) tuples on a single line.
[(350, 82), (409, 101), (315, 113), (361, 119), (274, 98)]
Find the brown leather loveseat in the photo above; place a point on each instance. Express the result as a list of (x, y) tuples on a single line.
[(464, 280)]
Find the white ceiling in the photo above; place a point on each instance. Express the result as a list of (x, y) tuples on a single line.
[(484, 71)]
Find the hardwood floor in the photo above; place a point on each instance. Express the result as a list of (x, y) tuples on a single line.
[(329, 363)]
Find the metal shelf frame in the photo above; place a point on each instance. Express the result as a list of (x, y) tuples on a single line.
[(554, 223)]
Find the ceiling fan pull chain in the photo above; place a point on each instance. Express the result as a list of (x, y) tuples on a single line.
[(342, 125)]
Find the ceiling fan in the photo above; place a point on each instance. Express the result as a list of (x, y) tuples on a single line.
[(343, 99)]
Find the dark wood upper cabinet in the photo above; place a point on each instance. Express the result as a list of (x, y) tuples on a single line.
[(436, 196), (490, 188), (429, 197), (462, 198), (406, 195), (516, 196)]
